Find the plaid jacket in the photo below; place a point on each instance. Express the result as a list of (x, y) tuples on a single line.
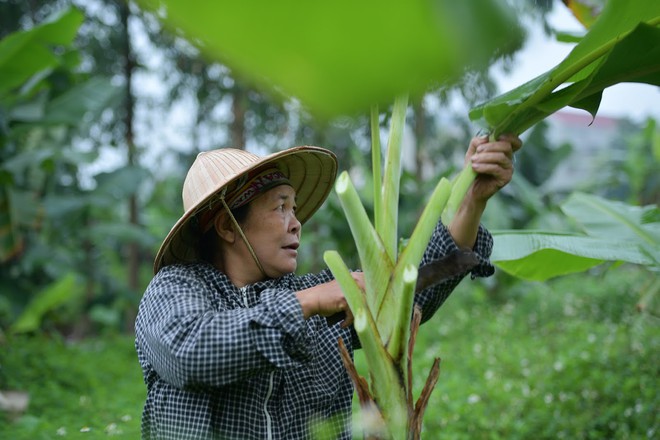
[(221, 362)]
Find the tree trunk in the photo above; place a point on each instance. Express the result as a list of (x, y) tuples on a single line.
[(238, 108), (132, 248)]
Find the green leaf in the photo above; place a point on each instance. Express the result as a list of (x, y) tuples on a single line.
[(615, 232), (655, 143), (91, 96), (618, 18), (621, 46), (11, 242), (492, 112), (634, 59), (344, 56), (26, 53), (30, 111), (46, 300), (611, 219), (121, 183), (539, 255), (123, 232)]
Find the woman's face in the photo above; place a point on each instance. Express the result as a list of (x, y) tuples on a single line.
[(273, 230)]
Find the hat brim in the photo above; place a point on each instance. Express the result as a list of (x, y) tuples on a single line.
[(311, 171)]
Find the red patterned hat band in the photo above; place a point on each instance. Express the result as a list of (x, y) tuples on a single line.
[(255, 185), (249, 187)]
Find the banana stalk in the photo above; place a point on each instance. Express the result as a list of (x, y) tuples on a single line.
[(401, 306), (376, 264), (400, 327), (390, 187), (383, 312), (459, 188), (375, 167), (387, 387)]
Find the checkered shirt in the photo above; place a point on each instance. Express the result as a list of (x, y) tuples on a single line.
[(221, 362)]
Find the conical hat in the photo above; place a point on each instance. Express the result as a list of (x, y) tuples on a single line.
[(310, 170)]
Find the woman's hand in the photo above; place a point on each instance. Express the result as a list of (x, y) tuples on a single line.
[(327, 299), (493, 163)]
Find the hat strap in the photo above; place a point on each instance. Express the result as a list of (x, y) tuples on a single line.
[(240, 231)]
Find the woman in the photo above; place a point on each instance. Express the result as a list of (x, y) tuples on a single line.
[(232, 344)]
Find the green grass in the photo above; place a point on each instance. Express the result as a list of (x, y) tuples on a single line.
[(568, 359), (90, 389)]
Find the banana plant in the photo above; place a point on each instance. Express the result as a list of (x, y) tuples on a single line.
[(33, 123), (622, 45), (385, 321)]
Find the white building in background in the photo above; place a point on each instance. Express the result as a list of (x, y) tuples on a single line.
[(592, 141)]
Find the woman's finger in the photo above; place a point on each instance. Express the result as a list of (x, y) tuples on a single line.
[(515, 141), (348, 321), (499, 158)]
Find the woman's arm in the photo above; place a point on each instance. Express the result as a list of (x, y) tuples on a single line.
[(189, 342), (493, 163)]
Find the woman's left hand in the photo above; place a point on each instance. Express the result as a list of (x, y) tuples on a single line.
[(493, 163)]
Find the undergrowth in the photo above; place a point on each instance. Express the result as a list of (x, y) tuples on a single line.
[(86, 389)]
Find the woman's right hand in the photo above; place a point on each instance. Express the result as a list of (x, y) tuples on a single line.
[(327, 299)]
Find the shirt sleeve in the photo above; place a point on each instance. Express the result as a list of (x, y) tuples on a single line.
[(442, 243), (189, 342)]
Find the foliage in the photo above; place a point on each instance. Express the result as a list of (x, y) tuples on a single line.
[(48, 299), (65, 219), (55, 222), (69, 215), (604, 231), (610, 53), (25, 58), (332, 56), (604, 56), (633, 176)]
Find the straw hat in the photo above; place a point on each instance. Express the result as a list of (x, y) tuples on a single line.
[(310, 170)]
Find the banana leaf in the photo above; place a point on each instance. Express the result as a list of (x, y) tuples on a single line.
[(344, 56), (609, 232), (623, 45)]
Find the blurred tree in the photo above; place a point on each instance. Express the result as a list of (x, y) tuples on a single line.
[(44, 104)]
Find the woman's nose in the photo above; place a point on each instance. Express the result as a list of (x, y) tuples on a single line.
[(294, 225)]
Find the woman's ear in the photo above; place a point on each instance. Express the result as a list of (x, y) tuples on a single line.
[(224, 227)]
